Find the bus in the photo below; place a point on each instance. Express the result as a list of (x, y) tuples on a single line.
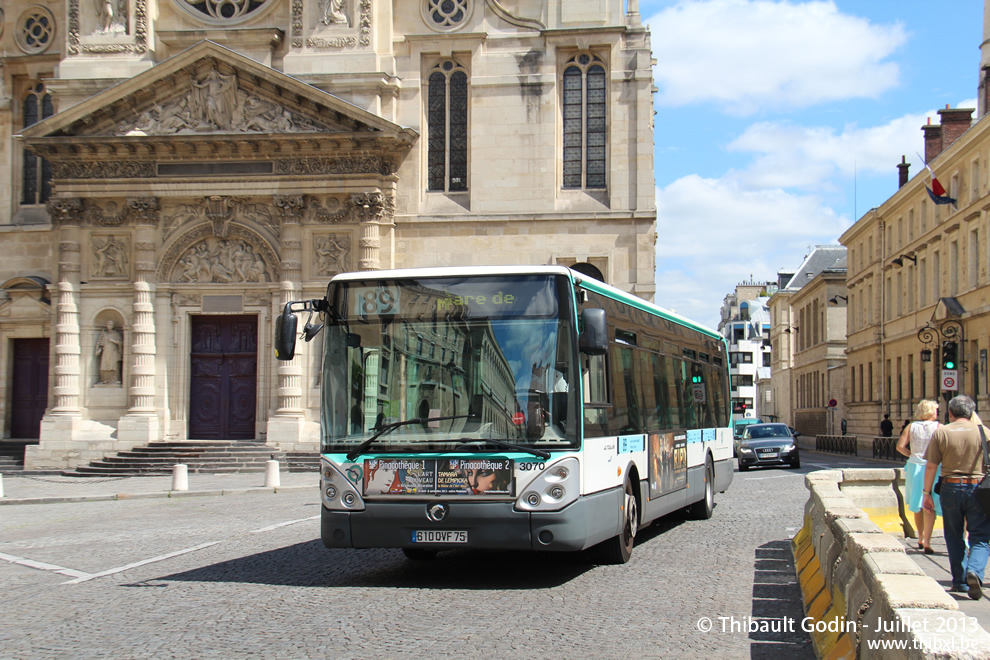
[(509, 408)]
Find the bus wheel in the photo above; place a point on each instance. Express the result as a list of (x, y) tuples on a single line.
[(702, 509), (418, 554), (618, 549)]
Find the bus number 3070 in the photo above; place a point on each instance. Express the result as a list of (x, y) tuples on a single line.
[(528, 467)]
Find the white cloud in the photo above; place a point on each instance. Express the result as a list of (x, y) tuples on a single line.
[(756, 55), (793, 156), (734, 235)]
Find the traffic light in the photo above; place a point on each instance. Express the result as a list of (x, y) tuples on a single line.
[(950, 350)]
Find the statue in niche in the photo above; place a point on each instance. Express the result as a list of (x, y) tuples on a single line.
[(333, 13), (111, 258), (110, 351), (111, 20)]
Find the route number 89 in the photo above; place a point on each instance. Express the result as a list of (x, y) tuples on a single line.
[(378, 300)]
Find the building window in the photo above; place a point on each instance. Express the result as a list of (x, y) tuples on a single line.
[(974, 258), (446, 15), (584, 122), (224, 11), (447, 118), (36, 31), (36, 185)]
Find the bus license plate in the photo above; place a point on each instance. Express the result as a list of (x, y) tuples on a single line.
[(439, 536)]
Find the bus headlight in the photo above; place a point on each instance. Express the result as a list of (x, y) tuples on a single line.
[(553, 489), (339, 494)]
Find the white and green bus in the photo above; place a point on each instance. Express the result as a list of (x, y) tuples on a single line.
[(510, 408)]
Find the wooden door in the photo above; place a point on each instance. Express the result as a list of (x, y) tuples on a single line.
[(29, 394), (223, 384)]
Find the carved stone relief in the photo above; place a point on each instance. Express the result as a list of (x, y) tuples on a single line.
[(221, 211), (216, 104), (109, 215), (331, 212), (110, 257), (221, 261), (105, 169), (332, 15), (331, 254), (340, 165), (105, 26)]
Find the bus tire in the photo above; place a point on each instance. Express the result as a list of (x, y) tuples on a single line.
[(702, 509), (618, 549), (419, 554)]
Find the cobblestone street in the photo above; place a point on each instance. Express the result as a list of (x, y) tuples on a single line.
[(246, 575)]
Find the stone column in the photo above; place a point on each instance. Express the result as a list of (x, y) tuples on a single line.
[(374, 209), (285, 427), (66, 214), (62, 420), (141, 425)]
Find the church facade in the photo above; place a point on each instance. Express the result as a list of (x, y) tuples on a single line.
[(175, 171)]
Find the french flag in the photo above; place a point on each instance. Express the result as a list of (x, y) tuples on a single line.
[(937, 192)]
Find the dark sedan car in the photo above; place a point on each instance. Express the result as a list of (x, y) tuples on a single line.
[(768, 444)]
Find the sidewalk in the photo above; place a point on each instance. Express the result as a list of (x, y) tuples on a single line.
[(28, 488), (937, 566)]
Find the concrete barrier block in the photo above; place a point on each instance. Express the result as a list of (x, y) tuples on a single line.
[(859, 544), (888, 563), (940, 634), (894, 592), (852, 476), (843, 526), (822, 476)]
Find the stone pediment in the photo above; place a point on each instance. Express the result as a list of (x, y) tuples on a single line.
[(209, 91)]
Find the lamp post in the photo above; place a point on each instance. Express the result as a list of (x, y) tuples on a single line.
[(950, 332)]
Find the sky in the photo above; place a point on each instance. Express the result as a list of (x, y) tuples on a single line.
[(780, 123)]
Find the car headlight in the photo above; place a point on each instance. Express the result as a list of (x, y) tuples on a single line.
[(789, 447), (745, 450)]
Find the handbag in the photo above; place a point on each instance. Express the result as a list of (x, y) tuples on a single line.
[(983, 489)]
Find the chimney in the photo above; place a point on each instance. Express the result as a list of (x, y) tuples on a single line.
[(902, 172), (933, 140), (955, 122)]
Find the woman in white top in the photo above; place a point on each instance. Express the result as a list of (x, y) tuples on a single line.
[(913, 443)]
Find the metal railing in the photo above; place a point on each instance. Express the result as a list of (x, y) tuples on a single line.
[(837, 444), (886, 448)]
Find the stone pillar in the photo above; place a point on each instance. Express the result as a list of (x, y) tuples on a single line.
[(285, 427), (63, 420), (141, 425), (374, 209), (66, 214)]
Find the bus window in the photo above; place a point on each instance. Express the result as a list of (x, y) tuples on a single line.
[(660, 391), (672, 382), (595, 394), (626, 415)]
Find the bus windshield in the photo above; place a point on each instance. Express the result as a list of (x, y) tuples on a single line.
[(494, 357)]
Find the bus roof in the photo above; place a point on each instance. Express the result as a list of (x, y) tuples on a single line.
[(585, 281)]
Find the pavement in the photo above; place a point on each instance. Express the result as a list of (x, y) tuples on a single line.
[(28, 488)]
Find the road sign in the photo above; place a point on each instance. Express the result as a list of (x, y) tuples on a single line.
[(699, 392), (950, 379), (832, 403)]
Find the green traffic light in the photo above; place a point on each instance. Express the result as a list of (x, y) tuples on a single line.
[(950, 365)]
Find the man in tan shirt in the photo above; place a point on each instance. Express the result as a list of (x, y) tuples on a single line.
[(957, 447)]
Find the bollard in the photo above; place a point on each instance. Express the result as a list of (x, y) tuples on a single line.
[(180, 477), (1, 485), (271, 474)]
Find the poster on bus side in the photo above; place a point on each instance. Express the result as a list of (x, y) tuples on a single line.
[(446, 476), (668, 462)]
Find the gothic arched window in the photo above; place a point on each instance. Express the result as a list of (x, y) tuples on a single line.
[(36, 184), (447, 131), (584, 122)]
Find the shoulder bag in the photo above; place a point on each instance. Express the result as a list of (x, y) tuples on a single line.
[(983, 489)]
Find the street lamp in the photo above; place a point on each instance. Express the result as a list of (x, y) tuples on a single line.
[(899, 261), (834, 300)]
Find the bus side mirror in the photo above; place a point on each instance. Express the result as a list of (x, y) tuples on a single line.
[(594, 336), (285, 335)]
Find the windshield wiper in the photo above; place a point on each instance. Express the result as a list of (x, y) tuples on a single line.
[(508, 445), (388, 428)]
